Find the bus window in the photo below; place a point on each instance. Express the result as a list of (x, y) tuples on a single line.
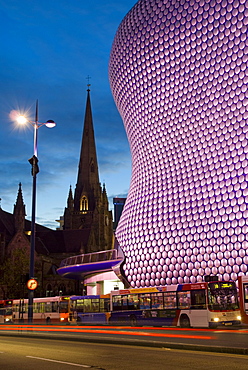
[(8, 311), (117, 303), (170, 301), (133, 302), (36, 307), (95, 305), (104, 304), (125, 302), (79, 305), (23, 307), (48, 307), (145, 301), (157, 300), (42, 307), (87, 305), (198, 299), (183, 300), (51, 307), (73, 305), (101, 305), (54, 306)]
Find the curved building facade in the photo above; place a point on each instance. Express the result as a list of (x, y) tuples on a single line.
[(179, 76)]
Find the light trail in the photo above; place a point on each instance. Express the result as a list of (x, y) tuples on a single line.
[(108, 330)]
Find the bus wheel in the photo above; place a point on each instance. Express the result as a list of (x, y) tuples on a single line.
[(48, 320), (184, 321), (133, 320)]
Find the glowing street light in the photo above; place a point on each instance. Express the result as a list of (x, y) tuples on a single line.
[(35, 169), (22, 120)]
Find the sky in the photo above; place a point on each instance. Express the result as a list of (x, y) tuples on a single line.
[(48, 50)]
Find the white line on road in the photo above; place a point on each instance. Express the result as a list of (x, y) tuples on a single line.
[(60, 362)]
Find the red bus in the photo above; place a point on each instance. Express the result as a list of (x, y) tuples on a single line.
[(45, 310), (243, 298), (207, 304)]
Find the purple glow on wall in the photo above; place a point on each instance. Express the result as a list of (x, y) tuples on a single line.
[(179, 77)]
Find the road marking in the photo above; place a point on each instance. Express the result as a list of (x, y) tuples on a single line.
[(60, 362)]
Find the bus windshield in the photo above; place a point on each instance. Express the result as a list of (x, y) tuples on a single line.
[(8, 311), (222, 296)]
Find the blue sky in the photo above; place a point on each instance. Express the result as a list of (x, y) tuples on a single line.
[(48, 48)]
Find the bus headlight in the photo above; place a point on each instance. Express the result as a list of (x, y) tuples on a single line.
[(62, 319), (216, 319), (239, 318)]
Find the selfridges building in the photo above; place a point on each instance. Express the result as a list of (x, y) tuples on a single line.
[(179, 76)]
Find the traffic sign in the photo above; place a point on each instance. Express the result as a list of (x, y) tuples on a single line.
[(32, 284)]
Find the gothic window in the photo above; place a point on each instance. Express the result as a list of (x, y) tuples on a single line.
[(49, 290), (84, 204), (61, 289)]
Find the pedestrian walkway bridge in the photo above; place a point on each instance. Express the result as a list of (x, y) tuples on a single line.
[(83, 265)]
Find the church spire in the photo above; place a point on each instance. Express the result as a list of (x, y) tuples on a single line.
[(70, 202), (88, 211), (88, 177), (19, 211)]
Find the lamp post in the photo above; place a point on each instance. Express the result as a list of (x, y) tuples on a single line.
[(35, 169)]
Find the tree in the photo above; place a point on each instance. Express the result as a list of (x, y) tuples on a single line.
[(14, 267)]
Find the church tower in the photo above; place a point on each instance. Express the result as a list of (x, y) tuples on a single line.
[(88, 209)]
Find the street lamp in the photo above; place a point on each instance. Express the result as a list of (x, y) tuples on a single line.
[(35, 169)]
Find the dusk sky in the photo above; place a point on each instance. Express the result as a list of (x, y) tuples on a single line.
[(48, 50)]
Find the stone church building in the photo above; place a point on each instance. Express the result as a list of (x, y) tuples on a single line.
[(86, 227)]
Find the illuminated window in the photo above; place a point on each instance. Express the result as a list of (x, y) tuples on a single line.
[(84, 204)]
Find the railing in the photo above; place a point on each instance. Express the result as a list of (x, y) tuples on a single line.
[(90, 258)]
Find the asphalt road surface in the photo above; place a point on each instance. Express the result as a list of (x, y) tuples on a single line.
[(19, 353), (219, 340)]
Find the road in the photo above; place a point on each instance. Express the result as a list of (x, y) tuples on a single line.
[(50, 354), (218, 340)]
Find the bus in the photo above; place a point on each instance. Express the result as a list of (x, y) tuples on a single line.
[(243, 298), (89, 309), (6, 310), (207, 304), (45, 310)]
